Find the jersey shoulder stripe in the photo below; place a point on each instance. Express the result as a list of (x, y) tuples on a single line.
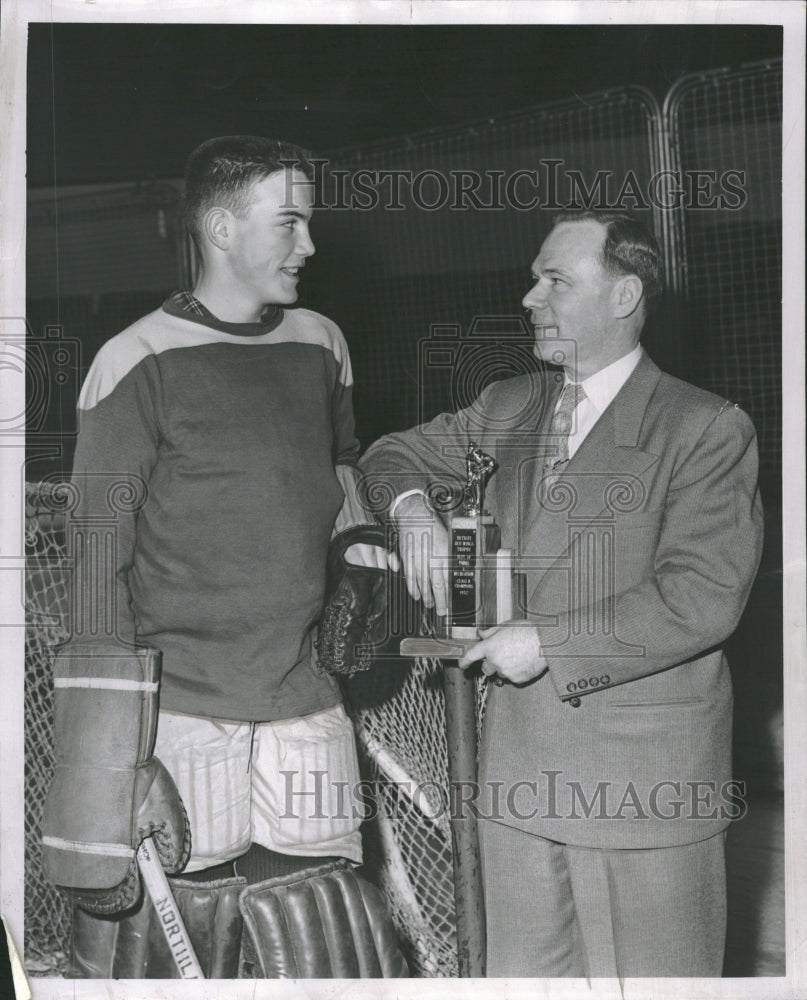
[(159, 331)]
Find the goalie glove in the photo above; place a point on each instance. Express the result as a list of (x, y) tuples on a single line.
[(108, 790), (354, 621)]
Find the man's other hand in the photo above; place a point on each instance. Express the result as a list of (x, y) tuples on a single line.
[(511, 650)]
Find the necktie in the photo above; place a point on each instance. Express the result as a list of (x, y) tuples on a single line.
[(559, 430)]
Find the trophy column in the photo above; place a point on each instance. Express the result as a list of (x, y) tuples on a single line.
[(480, 593)]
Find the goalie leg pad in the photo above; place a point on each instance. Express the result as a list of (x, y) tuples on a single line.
[(108, 790), (324, 922), (133, 945), (321, 922)]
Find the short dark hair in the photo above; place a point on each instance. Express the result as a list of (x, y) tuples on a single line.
[(629, 247), (222, 171)]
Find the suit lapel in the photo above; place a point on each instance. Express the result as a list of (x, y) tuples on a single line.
[(607, 467)]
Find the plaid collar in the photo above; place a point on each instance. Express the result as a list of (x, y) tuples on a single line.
[(187, 302)]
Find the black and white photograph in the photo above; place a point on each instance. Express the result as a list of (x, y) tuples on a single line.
[(402, 468)]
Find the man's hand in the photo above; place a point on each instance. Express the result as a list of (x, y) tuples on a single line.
[(423, 546), (511, 650), (373, 556)]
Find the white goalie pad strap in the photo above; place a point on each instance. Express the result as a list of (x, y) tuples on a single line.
[(87, 847), (106, 683)]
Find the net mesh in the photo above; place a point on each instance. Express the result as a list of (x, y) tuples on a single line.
[(399, 714), (47, 914), (399, 717), (426, 268)]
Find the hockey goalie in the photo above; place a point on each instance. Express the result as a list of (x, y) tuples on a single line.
[(215, 462)]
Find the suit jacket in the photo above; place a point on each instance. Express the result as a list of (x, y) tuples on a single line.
[(638, 564)]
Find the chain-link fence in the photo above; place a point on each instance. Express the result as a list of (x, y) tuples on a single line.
[(457, 220), (728, 258)]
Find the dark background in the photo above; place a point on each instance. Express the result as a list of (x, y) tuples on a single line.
[(128, 102)]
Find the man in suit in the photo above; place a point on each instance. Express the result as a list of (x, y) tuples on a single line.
[(630, 500)]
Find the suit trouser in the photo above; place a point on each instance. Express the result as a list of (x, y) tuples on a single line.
[(558, 910)]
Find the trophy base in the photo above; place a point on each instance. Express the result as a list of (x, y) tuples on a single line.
[(449, 649)]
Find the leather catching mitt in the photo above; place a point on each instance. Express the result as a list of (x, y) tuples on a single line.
[(354, 624)]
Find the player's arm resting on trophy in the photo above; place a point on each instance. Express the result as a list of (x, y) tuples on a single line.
[(108, 790)]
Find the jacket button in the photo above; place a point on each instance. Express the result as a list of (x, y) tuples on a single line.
[(594, 682), (582, 685), (571, 687), (605, 679), (574, 702)]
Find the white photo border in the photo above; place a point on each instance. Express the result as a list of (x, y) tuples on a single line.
[(16, 15)]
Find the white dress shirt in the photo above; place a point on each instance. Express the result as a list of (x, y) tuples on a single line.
[(601, 389)]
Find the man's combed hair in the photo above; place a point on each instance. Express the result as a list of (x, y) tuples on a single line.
[(629, 247), (222, 172)]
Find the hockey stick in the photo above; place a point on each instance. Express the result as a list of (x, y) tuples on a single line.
[(171, 923)]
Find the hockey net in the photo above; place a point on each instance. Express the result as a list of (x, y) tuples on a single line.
[(398, 710), (47, 913), (399, 715)]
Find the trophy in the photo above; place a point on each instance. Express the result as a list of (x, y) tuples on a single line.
[(482, 584), (480, 572)]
